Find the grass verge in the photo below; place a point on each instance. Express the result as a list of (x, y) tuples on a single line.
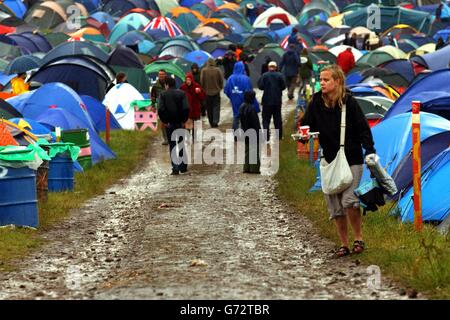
[(131, 147), (417, 260)]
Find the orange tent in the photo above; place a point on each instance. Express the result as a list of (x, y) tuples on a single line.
[(176, 12), (230, 5)]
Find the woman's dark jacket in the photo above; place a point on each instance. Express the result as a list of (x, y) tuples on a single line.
[(327, 122)]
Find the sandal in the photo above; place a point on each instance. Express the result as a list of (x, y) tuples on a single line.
[(342, 252), (358, 246)]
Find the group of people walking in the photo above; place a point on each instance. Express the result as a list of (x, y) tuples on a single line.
[(323, 115)]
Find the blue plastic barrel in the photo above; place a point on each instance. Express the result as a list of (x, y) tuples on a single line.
[(60, 174), (18, 203)]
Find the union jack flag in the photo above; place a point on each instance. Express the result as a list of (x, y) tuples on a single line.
[(165, 24)]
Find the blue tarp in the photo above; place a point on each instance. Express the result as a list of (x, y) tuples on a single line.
[(97, 112), (424, 89), (435, 191), (60, 96)]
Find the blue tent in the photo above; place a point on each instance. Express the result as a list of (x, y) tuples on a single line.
[(393, 137), (36, 127), (39, 41), (23, 64), (199, 56), (429, 148), (435, 60), (97, 112), (16, 6), (353, 78), (435, 191), (400, 66), (444, 34), (83, 74), (76, 48), (103, 17), (60, 96), (433, 90), (117, 8), (189, 3), (363, 91)]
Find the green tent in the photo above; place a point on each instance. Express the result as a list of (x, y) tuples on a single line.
[(136, 77), (56, 38), (391, 16), (9, 52), (169, 65), (3, 64), (375, 58)]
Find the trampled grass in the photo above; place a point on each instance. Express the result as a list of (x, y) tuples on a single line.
[(418, 260), (131, 147)]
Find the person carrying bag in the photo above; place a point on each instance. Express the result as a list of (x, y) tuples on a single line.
[(336, 176), (343, 132)]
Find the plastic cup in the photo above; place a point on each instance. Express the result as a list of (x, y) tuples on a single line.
[(304, 131)]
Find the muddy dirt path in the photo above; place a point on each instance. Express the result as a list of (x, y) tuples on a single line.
[(212, 233)]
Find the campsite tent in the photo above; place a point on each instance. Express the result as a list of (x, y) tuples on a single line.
[(58, 95), (97, 112), (274, 14), (85, 75), (390, 16), (429, 148), (433, 90), (393, 138), (435, 191), (118, 100), (436, 60)]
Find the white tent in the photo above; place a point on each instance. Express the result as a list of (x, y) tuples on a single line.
[(338, 49), (278, 14), (118, 100)]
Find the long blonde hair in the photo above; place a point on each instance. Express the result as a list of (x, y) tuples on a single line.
[(338, 75)]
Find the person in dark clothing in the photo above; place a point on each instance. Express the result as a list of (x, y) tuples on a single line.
[(440, 43), (439, 12), (290, 63), (248, 117), (323, 115), (265, 65), (174, 112), (353, 40), (272, 83), (195, 70), (157, 88), (244, 59), (347, 40), (228, 63)]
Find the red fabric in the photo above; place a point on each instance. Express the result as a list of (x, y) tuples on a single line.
[(6, 29), (194, 99), (283, 17), (346, 61)]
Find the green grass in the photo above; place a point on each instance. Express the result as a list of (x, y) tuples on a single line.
[(131, 147), (417, 260)]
